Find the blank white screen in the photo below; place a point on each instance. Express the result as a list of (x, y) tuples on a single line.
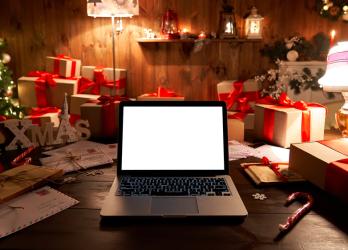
[(172, 138)]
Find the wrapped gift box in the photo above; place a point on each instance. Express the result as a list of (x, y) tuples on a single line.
[(42, 116), (53, 95), (235, 127), (77, 100), (103, 80), (324, 164), (102, 117), (63, 66), (248, 89), (285, 125)]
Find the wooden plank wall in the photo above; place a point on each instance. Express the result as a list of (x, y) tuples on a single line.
[(36, 28)]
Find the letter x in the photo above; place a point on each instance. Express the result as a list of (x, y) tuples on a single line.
[(20, 137)]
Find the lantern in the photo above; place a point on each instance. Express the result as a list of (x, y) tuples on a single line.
[(253, 25), (169, 27), (228, 28)]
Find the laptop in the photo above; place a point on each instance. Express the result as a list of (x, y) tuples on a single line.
[(173, 162)]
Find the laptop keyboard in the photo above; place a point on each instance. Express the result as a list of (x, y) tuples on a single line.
[(173, 186)]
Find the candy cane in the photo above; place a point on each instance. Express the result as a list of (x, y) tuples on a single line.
[(20, 159), (299, 213)]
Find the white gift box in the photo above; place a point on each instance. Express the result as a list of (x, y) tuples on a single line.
[(54, 95), (226, 87), (66, 67), (287, 124)]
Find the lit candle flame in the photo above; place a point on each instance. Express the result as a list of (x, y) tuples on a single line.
[(333, 34), (332, 37)]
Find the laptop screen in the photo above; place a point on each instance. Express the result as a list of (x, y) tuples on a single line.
[(173, 137)]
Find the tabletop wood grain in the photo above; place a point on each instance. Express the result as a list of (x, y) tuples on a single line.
[(80, 227)]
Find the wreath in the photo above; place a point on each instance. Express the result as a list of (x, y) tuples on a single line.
[(333, 9), (315, 49)]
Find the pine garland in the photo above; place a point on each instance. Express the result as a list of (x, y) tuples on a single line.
[(333, 9)]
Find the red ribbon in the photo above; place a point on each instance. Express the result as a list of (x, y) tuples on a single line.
[(3, 118), (285, 102), (162, 92), (36, 113), (109, 119), (43, 81), (57, 61), (274, 166), (99, 80), (241, 98), (336, 176)]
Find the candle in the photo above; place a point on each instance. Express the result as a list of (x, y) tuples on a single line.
[(202, 35), (184, 34), (332, 37)]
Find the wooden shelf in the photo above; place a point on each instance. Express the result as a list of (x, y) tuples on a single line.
[(161, 40)]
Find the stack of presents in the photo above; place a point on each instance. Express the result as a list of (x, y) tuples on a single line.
[(91, 91), (286, 123)]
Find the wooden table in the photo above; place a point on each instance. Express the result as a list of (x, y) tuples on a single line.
[(80, 227)]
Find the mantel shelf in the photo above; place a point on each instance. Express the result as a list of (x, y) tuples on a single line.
[(161, 40)]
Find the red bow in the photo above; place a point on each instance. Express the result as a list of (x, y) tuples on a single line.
[(162, 92), (99, 80), (241, 99), (286, 102), (275, 167), (43, 81)]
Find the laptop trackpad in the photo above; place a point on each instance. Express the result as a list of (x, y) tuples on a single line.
[(174, 205)]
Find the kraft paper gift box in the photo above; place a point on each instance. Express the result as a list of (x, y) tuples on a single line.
[(104, 83), (77, 100), (285, 125), (102, 118), (325, 164), (18, 180), (162, 94), (63, 66), (48, 96), (248, 89), (235, 127)]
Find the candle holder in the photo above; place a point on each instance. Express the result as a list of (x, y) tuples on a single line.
[(227, 27), (169, 27)]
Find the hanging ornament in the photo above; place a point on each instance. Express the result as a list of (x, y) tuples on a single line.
[(9, 92), (6, 58)]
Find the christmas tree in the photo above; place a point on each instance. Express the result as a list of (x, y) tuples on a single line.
[(8, 108)]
